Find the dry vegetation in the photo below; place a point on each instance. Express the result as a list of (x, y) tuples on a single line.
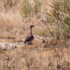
[(34, 58), (15, 18)]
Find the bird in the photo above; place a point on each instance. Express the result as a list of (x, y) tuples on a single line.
[(30, 37)]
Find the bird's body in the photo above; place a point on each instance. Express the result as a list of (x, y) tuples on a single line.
[(30, 37)]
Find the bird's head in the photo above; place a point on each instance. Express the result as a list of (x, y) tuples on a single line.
[(31, 26)]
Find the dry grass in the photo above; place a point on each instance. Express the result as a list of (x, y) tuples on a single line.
[(51, 55), (13, 24), (36, 58)]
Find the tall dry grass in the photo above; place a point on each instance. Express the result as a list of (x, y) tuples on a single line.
[(25, 58)]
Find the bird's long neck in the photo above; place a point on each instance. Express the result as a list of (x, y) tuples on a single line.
[(30, 31)]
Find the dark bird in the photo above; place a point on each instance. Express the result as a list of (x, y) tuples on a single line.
[(30, 37)]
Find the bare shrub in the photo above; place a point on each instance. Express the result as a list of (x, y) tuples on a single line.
[(60, 14)]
